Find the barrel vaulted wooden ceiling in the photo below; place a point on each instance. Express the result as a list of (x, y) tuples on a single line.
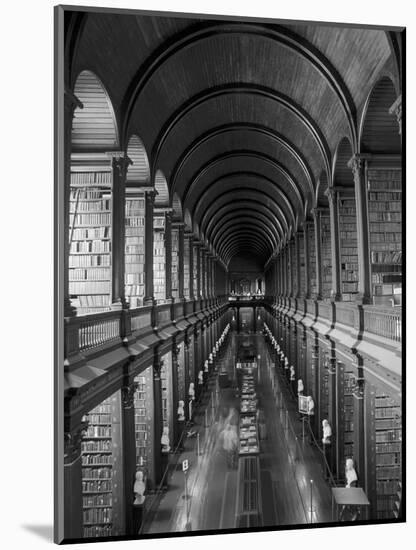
[(242, 119)]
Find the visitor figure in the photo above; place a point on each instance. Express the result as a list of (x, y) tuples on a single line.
[(327, 432), (139, 488), (165, 440), (139, 498), (351, 480), (181, 411)]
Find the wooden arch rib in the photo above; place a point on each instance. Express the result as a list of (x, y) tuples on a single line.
[(139, 171), (94, 127), (241, 221), (256, 129), (252, 155), (251, 197), (238, 88), (283, 36), (284, 208), (251, 209)]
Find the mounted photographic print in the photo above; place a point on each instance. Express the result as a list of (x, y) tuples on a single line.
[(229, 282)]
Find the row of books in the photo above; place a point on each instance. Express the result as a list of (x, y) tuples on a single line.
[(388, 206), (384, 181), (96, 459), (89, 287), (92, 274), (98, 515), (392, 227), (349, 287), (90, 474), (91, 233), (98, 417), (92, 301), (135, 222), (137, 291), (90, 260), (97, 500), (383, 196), (385, 217), (88, 247), (134, 207), (90, 206), (134, 240), (386, 487), (102, 218), (134, 249), (132, 231), (385, 401), (134, 259), (388, 459), (98, 531), (96, 446), (91, 178), (349, 276), (134, 278), (97, 486), (388, 472), (98, 431), (388, 423), (385, 237), (79, 194), (388, 436)]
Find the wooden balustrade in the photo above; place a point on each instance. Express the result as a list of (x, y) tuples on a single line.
[(98, 329), (140, 317), (325, 310), (384, 322)]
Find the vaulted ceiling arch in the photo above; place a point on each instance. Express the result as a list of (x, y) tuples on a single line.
[(241, 221), (237, 182)]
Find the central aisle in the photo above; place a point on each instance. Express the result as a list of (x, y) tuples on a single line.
[(287, 462)]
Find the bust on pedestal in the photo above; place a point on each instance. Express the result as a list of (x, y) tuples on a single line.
[(139, 498)]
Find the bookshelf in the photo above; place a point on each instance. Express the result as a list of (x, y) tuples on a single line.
[(90, 215), (167, 402), (323, 400), (159, 257), (175, 263), (385, 218), (294, 269), (134, 250), (302, 264), (312, 260), (349, 382), (388, 441), (100, 448), (143, 423), (197, 250), (326, 255), (348, 248), (186, 270)]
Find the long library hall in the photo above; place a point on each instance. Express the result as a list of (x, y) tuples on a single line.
[(231, 258)]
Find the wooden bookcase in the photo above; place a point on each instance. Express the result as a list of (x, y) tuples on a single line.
[(175, 263), (197, 251), (134, 250), (143, 422), (90, 218), (326, 255), (186, 270), (312, 261), (388, 447), (159, 257), (102, 471), (385, 218), (167, 401), (348, 248), (301, 264), (345, 406)]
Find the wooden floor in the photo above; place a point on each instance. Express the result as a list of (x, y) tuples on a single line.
[(288, 464)]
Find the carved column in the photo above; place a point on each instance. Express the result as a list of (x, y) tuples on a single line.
[(120, 165), (333, 416), (181, 228), (175, 392), (306, 229), (149, 198), (168, 255), (359, 430), (73, 517), (396, 109), (318, 252), (335, 244), (129, 452), (70, 103), (297, 263), (157, 415), (187, 343), (358, 167), (190, 238)]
